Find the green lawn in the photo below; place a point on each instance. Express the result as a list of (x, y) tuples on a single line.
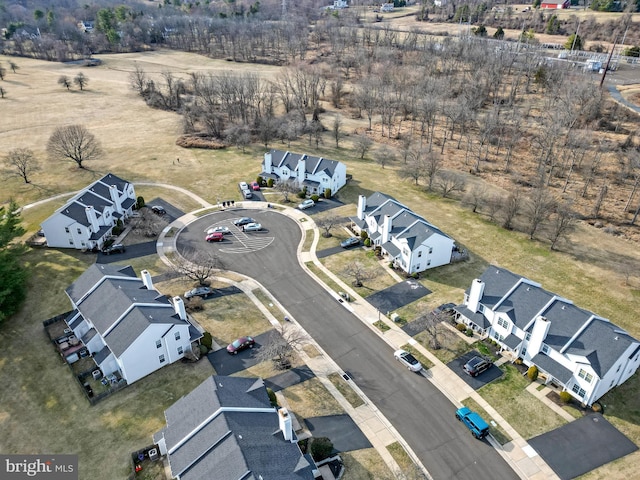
[(524, 412)]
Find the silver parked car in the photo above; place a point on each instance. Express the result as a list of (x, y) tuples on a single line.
[(408, 360)]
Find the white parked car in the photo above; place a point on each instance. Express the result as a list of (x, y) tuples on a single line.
[(306, 204), (252, 227), (408, 360), (223, 230)]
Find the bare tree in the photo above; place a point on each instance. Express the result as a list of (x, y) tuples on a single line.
[(414, 169), (511, 209), (600, 200), (81, 80), (494, 205), (3, 72), (327, 223), (336, 129), (538, 209), (475, 197), (431, 323), (286, 188), (362, 144), (359, 273), (3, 92), (13, 66), (384, 156), (267, 130), (280, 347), (74, 142), (196, 265), (138, 80), (65, 82), (562, 224), (432, 166), (238, 135), (449, 182), (21, 162)]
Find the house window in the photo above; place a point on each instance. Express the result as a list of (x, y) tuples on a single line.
[(417, 267), (430, 250), (481, 308), (180, 350), (66, 229), (158, 343), (428, 262), (177, 335), (586, 375), (70, 242), (618, 369), (498, 337), (503, 323), (419, 253), (545, 349), (527, 337), (523, 352), (79, 231), (580, 391), (161, 358)]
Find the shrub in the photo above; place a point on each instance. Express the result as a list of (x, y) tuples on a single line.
[(565, 397), (391, 265), (468, 332), (327, 193), (321, 448), (195, 304), (302, 194), (367, 242), (203, 349), (532, 373), (315, 198), (140, 202), (207, 341), (270, 182), (272, 397), (260, 180), (518, 361), (364, 235), (596, 407), (461, 327)]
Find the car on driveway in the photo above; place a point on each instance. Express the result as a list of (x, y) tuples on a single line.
[(243, 221), (223, 230), (254, 186), (252, 227), (243, 186), (240, 344), (214, 237), (308, 203), (477, 365), (350, 242), (157, 209), (408, 360), (198, 292), (115, 248)]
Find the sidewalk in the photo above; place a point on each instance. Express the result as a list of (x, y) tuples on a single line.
[(523, 459)]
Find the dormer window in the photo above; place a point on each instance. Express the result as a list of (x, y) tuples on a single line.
[(586, 375), (545, 349)]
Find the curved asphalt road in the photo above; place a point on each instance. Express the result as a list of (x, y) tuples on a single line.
[(416, 408)]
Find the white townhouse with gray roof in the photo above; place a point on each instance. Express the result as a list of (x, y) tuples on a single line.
[(86, 221), (227, 429), (583, 353), (315, 173), (414, 244), (129, 328)]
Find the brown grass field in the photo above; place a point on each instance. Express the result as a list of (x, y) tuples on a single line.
[(42, 410)]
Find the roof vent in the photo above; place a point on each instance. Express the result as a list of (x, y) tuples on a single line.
[(240, 437), (616, 337), (563, 306)]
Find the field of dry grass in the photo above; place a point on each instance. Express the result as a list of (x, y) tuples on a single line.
[(139, 145)]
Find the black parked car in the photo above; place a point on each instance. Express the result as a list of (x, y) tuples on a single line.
[(115, 248), (158, 209), (477, 365)]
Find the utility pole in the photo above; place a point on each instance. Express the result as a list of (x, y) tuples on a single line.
[(606, 67)]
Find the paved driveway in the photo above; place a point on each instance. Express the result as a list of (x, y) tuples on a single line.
[(582, 446), (225, 364), (341, 430), (398, 295), (481, 380), (415, 407), (289, 378), (131, 251)]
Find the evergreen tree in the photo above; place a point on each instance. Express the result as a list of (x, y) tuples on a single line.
[(13, 276)]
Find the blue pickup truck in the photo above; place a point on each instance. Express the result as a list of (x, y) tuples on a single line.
[(474, 422)]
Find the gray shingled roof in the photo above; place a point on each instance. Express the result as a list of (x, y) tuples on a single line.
[(93, 275), (476, 317), (111, 179), (420, 232), (603, 343), (497, 282), (391, 249), (231, 444), (76, 212), (566, 320), (375, 200), (525, 303), (318, 164), (549, 365), (89, 198)]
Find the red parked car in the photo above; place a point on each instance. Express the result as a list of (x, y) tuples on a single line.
[(214, 237), (240, 344), (254, 186)]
